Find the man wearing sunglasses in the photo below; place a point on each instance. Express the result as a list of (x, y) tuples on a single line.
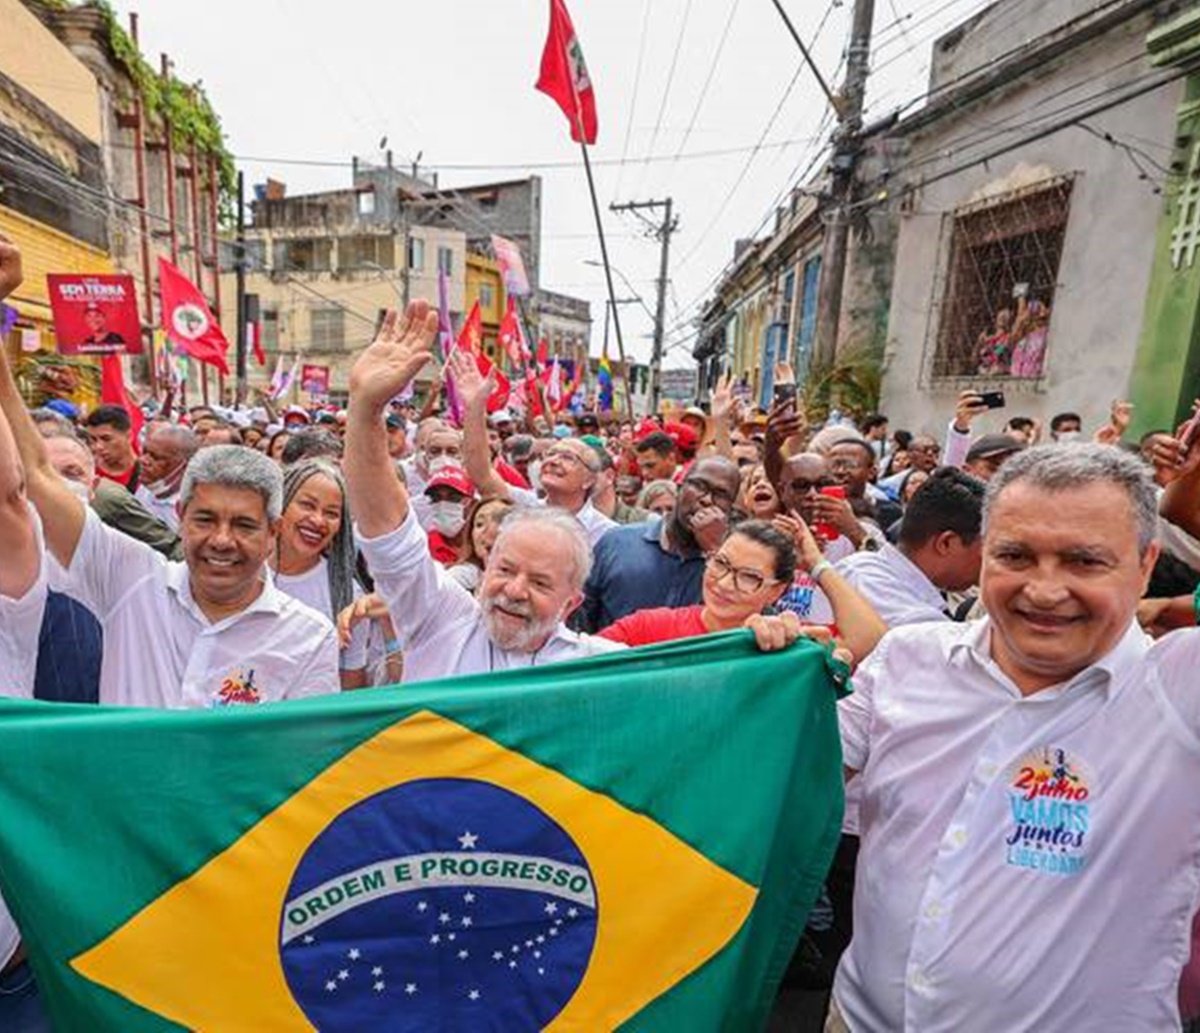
[(661, 562)]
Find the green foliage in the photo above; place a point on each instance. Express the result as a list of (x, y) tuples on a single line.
[(184, 107), (852, 383)]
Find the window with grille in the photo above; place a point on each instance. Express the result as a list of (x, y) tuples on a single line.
[(1000, 283), (445, 260), (303, 255), (366, 252), (328, 329)]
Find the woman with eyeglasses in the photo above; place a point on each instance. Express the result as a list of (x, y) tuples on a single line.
[(744, 578)]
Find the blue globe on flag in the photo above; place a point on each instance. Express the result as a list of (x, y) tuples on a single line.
[(438, 904)]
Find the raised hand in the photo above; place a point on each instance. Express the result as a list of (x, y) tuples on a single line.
[(11, 273), (970, 404), (709, 527), (723, 399), (472, 388), (389, 364), (807, 547)]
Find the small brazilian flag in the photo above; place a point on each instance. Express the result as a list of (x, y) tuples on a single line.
[(629, 842)]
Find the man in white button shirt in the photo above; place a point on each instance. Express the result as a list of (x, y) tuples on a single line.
[(1030, 818), (570, 468), (535, 572), (211, 632), (938, 551)]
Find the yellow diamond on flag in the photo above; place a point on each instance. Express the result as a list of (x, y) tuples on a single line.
[(433, 874)]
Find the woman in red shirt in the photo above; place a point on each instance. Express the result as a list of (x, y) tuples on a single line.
[(745, 576)]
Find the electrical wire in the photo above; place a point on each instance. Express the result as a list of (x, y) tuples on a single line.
[(662, 107), (637, 81), (712, 71)]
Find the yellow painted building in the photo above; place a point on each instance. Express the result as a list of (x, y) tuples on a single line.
[(485, 284)]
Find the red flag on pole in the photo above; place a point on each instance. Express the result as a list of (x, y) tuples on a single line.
[(510, 338), (564, 76), (114, 392), (470, 337), (187, 319)]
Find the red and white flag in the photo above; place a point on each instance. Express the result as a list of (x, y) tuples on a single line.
[(510, 337), (187, 319), (564, 75)]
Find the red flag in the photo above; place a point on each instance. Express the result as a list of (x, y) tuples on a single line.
[(113, 392), (564, 76), (510, 338), (470, 337), (187, 319), (543, 354)]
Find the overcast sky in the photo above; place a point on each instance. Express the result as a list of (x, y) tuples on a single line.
[(309, 81)]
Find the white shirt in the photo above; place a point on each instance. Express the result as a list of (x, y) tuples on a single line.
[(161, 651), (804, 597), (981, 906), (594, 523), (20, 624), (312, 589), (896, 588), (440, 622), (164, 509)]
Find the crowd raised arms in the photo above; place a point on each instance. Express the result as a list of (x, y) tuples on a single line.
[(1023, 715)]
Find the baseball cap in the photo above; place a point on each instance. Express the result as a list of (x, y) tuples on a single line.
[(589, 419), (297, 411), (451, 477), (993, 445), (64, 408), (684, 437), (500, 416), (395, 421)]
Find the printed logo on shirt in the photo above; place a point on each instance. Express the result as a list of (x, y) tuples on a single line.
[(237, 688), (1049, 795)]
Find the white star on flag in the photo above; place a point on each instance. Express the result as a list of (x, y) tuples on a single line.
[(353, 953), (379, 986), (468, 898), (377, 971), (497, 955), (343, 975), (463, 955), (474, 995), (331, 986), (466, 921), (422, 906), (435, 938), (512, 964), (308, 939), (551, 908), (443, 918), (410, 988), (572, 913), (467, 840)]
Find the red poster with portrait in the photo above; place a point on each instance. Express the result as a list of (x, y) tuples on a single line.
[(314, 380), (95, 314)]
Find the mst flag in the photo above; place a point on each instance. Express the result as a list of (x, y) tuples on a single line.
[(564, 76), (188, 320), (629, 841)]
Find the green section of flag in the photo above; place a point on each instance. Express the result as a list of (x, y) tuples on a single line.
[(733, 751)]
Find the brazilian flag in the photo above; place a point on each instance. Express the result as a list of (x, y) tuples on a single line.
[(629, 842)]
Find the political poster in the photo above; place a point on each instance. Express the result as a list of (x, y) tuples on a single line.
[(95, 314)]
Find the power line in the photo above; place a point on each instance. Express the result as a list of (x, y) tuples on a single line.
[(662, 107), (712, 71), (637, 81)]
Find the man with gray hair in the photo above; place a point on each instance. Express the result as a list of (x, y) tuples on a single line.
[(1030, 821), (211, 631), (535, 570), (169, 447)]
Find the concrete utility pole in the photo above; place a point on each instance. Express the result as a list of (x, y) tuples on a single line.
[(663, 231), (847, 144)]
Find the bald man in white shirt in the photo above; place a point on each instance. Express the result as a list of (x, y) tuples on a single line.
[(1030, 820)]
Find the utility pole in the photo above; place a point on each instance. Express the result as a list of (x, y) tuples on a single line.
[(663, 231), (240, 268), (847, 146)]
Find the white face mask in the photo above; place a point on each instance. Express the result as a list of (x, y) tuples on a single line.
[(447, 517), (439, 463), (80, 491), (1068, 435)]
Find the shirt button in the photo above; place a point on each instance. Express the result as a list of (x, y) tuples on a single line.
[(957, 836), (917, 981), (934, 910), (988, 770)]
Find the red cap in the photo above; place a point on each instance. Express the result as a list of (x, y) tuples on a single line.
[(686, 439), (451, 477)]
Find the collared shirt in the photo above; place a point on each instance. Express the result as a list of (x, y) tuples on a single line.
[(594, 523), (633, 570), (20, 621), (1027, 863), (160, 650), (164, 508), (439, 621), (896, 588), (312, 589)]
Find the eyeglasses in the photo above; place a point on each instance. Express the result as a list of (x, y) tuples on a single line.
[(714, 491), (745, 581), (803, 487), (566, 453), (930, 449)]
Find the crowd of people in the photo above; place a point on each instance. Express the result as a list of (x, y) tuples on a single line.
[(1021, 845)]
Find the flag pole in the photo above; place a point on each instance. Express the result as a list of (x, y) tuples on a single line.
[(612, 295)]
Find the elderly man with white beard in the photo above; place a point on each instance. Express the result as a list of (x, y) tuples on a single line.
[(535, 571)]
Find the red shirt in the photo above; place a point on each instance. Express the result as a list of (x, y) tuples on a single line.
[(129, 480), (441, 550), (661, 624), (511, 475)]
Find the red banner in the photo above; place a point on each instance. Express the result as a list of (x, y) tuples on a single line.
[(95, 315), (314, 380)]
